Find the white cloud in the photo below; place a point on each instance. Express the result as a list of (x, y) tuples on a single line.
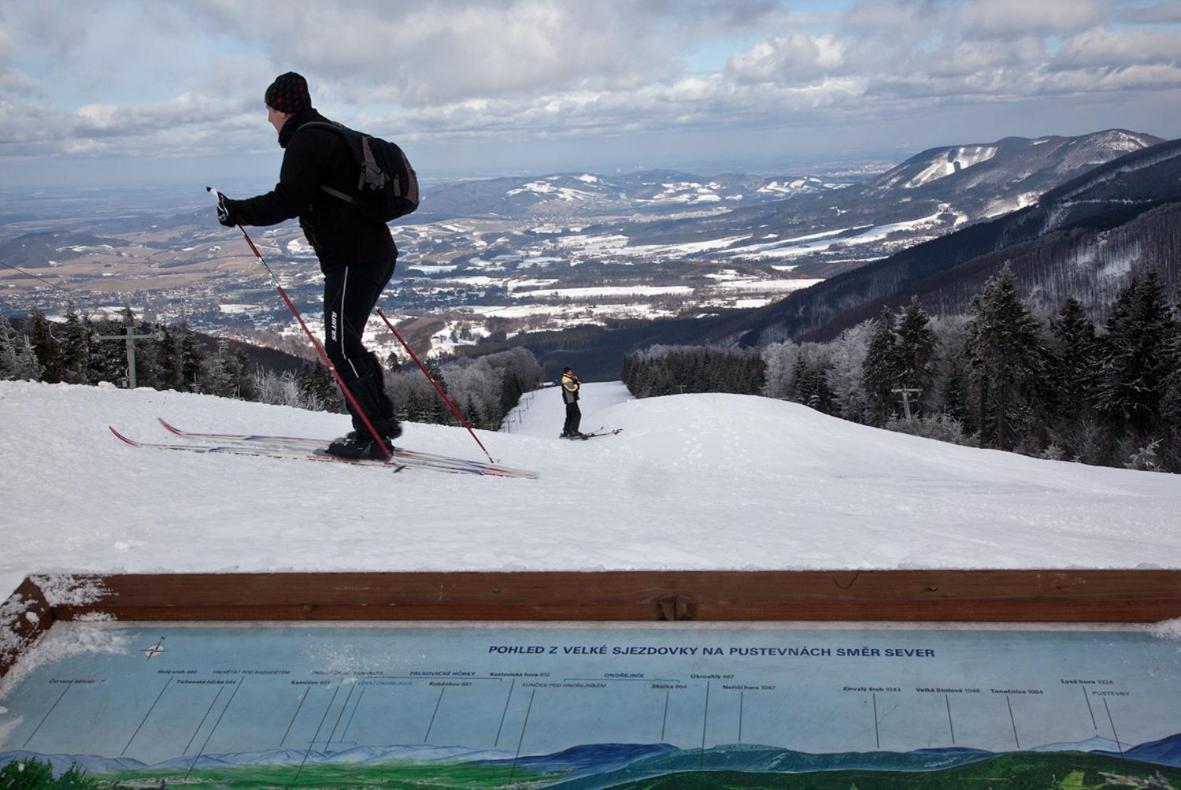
[(792, 58), (1168, 12), (1009, 17), (145, 80), (1107, 47)]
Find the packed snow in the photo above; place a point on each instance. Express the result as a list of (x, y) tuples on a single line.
[(693, 482), (956, 159)]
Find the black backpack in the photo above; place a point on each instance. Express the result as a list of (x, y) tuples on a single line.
[(387, 187)]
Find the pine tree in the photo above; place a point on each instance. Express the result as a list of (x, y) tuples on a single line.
[(1006, 355), (438, 412), (75, 349), (46, 347), (1073, 361), (191, 359), (880, 372), (108, 358), (1171, 402), (247, 376), (218, 374), (1137, 356), (316, 386), (915, 350), (810, 384), (169, 360)]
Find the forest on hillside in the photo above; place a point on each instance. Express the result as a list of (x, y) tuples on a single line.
[(80, 350), (1002, 375)]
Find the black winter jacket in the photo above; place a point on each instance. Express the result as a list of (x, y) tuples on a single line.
[(337, 232)]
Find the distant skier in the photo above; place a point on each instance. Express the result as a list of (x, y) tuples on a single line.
[(357, 255), (570, 387)]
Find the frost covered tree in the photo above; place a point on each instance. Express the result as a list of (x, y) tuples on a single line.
[(780, 362), (846, 360), (18, 361), (950, 390), (8, 350)]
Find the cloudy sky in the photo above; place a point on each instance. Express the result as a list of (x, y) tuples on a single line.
[(130, 91)]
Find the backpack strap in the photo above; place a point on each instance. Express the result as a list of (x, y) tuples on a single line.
[(344, 132)]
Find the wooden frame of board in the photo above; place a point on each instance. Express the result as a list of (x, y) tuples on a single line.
[(1061, 596)]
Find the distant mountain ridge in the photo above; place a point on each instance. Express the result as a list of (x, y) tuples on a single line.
[(1023, 167), (591, 765), (939, 191), (1083, 239), (582, 194)]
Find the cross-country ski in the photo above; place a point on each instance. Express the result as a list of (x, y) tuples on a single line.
[(596, 434), (259, 451), (289, 447)]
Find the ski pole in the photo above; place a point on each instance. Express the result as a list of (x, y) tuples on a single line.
[(315, 343), (431, 379)]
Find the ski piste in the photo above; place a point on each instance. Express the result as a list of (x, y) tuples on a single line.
[(301, 448), (600, 432)]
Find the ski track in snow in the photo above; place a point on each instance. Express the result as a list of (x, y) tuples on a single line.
[(693, 482)]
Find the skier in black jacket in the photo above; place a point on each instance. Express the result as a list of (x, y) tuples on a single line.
[(357, 255)]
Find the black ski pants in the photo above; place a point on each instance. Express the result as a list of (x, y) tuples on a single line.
[(573, 418), (350, 294)]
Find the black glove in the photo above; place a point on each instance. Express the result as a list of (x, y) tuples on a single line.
[(227, 211)]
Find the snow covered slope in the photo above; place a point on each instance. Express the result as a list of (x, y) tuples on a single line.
[(693, 482)]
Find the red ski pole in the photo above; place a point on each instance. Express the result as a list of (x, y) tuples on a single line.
[(315, 343), (438, 389)]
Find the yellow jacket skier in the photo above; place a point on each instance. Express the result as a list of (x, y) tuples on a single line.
[(570, 387)]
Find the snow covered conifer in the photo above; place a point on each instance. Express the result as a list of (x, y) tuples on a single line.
[(779, 361), (17, 360), (847, 359)]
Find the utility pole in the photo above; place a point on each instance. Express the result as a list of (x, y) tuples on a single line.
[(906, 393), (130, 336)]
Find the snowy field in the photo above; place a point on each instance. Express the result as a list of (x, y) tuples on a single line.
[(693, 482)]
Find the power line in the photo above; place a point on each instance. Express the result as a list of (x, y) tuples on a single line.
[(30, 274)]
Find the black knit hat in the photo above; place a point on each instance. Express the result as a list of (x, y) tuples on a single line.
[(289, 93)]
